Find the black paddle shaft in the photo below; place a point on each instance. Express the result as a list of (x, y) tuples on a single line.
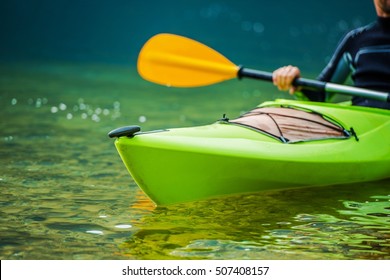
[(317, 85)]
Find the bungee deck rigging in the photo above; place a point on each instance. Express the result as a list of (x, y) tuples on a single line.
[(292, 124)]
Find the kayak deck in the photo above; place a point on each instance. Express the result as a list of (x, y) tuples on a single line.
[(186, 164)]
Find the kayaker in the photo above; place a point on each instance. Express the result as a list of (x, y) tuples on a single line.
[(364, 52)]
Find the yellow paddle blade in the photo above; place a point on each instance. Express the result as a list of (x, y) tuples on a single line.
[(178, 61)]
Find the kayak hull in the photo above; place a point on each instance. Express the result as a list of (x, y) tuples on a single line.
[(187, 164)]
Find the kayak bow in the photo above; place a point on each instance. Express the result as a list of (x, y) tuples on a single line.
[(281, 144), (223, 158)]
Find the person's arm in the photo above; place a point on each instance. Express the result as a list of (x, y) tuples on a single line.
[(337, 71)]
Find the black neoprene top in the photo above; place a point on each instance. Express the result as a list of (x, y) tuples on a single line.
[(366, 53)]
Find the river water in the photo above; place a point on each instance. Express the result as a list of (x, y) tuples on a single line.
[(65, 193)]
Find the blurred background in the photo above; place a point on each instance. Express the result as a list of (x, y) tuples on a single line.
[(251, 32)]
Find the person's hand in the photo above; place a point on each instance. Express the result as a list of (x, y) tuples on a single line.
[(284, 77)]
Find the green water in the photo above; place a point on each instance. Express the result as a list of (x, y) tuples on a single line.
[(65, 194)]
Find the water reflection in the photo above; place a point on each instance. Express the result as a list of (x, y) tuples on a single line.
[(269, 226)]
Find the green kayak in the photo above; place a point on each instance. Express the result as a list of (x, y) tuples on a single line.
[(280, 144)]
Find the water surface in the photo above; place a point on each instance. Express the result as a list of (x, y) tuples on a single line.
[(65, 194)]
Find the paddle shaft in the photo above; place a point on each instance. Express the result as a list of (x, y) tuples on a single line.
[(318, 85)]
